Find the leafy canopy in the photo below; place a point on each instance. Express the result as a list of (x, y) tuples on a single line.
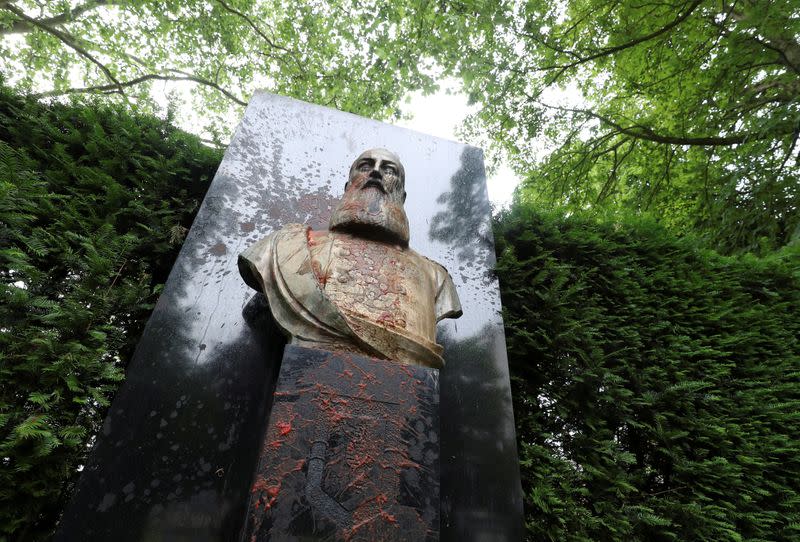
[(688, 110), (357, 56)]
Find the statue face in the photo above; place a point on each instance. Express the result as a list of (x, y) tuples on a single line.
[(379, 169), (372, 205)]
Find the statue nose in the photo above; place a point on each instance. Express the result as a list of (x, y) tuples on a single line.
[(376, 174)]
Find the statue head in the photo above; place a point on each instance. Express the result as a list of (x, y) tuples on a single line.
[(372, 205)]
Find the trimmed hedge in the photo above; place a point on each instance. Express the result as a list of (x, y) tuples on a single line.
[(94, 204), (656, 384)]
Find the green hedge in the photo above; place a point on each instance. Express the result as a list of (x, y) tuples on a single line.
[(656, 384), (94, 204)]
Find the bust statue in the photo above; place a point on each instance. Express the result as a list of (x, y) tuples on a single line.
[(357, 287)]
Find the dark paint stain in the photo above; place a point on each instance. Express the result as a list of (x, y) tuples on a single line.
[(218, 250)]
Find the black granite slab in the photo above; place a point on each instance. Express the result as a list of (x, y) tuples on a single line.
[(176, 454)]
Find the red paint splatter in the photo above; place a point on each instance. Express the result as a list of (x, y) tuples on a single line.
[(219, 249), (269, 492), (284, 428)]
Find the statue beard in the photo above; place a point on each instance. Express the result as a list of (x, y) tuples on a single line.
[(370, 212)]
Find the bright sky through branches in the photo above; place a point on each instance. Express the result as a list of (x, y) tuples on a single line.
[(440, 115)]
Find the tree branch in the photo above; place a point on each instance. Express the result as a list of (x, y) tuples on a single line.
[(789, 152), (577, 168), (645, 133), (22, 26), (139, 80), (611, 181), (67, 40), (787, 48), (252, 25), (627, 45), (792, 86), (669, 153), (588, 13)]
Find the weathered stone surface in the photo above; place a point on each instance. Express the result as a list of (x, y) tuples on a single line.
[(351, 452)]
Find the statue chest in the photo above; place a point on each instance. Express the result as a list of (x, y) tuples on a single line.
[(386, 285)]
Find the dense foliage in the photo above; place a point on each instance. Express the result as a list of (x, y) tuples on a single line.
[(657, 385), (94, 204), (687, 110), (360, 56)]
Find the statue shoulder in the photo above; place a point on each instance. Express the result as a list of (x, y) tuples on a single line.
[(254, 262), (434, 268), (447, 302), (294, 228)]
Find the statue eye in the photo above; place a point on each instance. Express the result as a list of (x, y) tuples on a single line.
[(364, 167), (390, 169)]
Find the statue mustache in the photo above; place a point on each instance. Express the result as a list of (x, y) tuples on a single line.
[(374, 181)]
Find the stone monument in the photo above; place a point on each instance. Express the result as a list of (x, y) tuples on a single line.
[(182, 453), (351, 450)]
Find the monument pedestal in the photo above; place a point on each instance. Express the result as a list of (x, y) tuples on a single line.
[(351, 452)]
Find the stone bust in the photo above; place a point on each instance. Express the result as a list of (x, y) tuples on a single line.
[(357, 287)]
